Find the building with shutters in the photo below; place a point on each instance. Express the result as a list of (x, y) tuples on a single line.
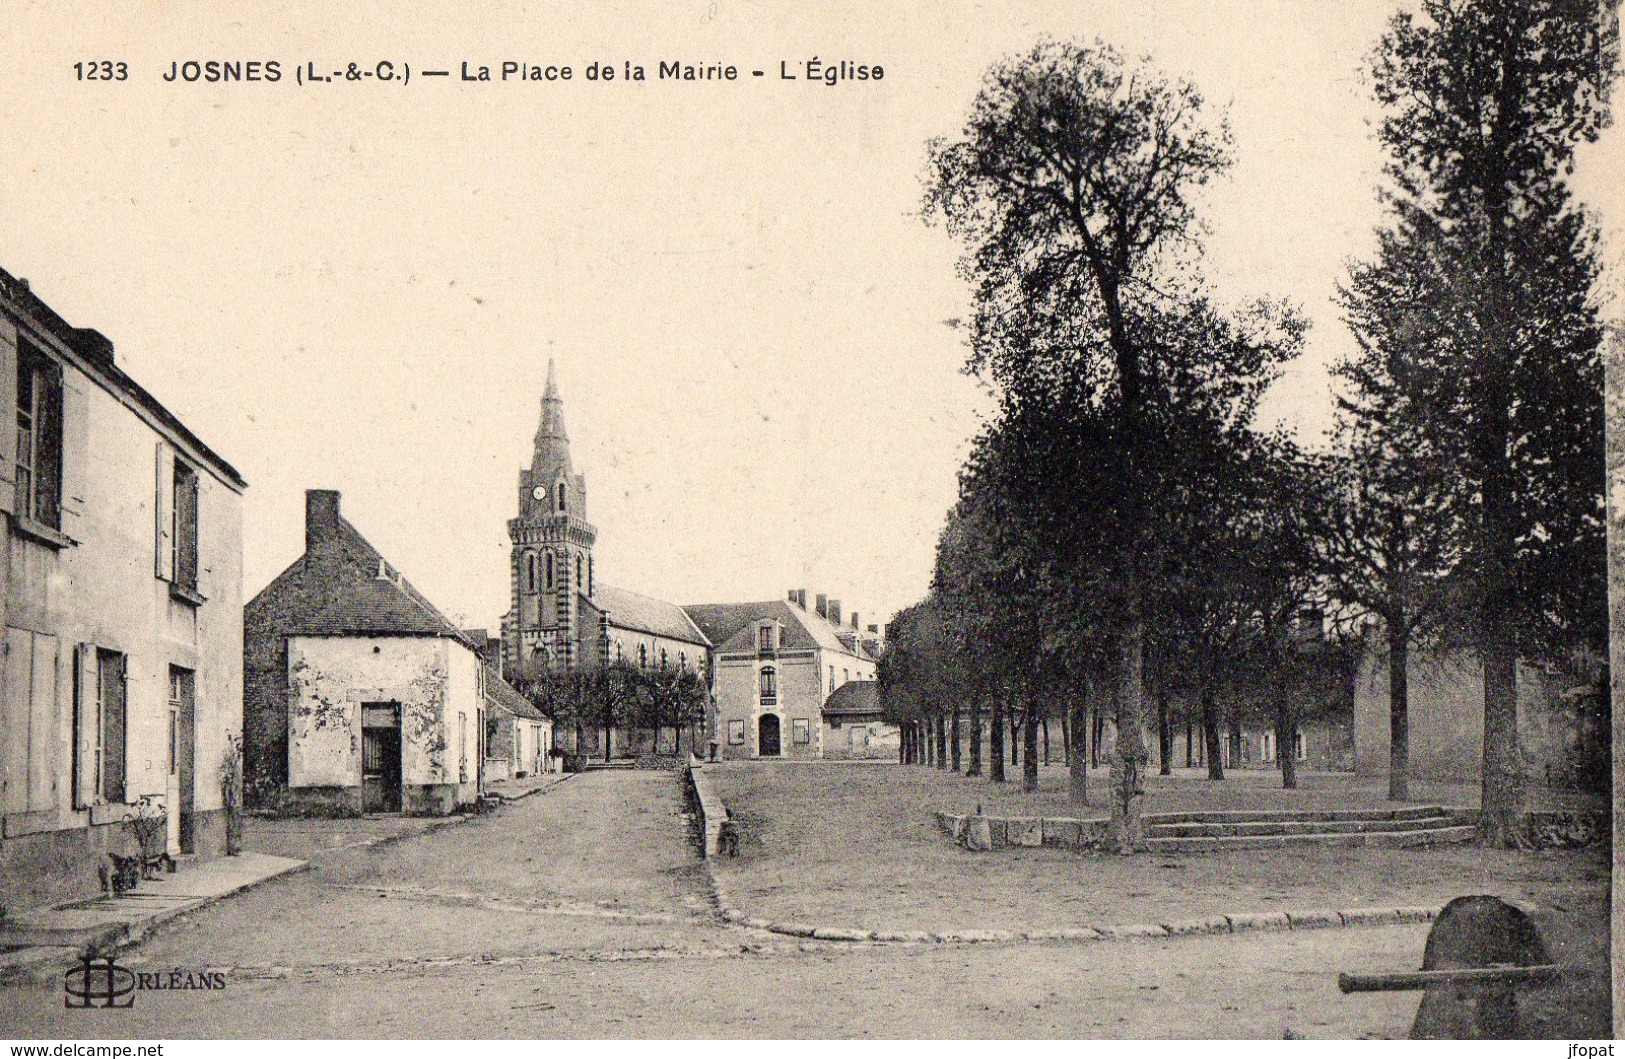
[(121, 603)]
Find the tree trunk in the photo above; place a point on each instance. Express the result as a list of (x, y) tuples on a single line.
[(942, 742), (1066, 739), (953, 737), (1015, 735), (1190, 747), (1128, 749), (975, 738), (1077, 755), (1165, 735), (1029, 753), (1097, 732), (1286, 744), (995, 749), (1210, 734), (1399, 732)]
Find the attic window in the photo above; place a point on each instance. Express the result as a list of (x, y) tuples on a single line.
[(558, 491)]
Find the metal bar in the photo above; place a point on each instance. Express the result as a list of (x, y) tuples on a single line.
[(1406, 980)]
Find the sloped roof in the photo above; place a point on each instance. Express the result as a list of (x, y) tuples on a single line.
[(378, 606), (508, 698), (855, 697), (729, 626), (630, 610), (346, 595)]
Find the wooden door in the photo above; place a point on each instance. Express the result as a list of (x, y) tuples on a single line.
[(767, 735)]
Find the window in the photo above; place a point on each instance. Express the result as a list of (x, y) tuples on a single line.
[(558, 491), (736, 733), (662, 658), (589, 575), (39, 438), (764, 639), (530, 571), (770, 685), (643, 656), (802, 730), (1302, 748), (832, 678), (682, 659), (184, 533), (549, 570), (1266, 747), (578, 570), (846, 676)]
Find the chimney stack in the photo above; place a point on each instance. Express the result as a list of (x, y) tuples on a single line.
[(823, 605), (798, 596), (835, 612), (855, 624), (321, 517)]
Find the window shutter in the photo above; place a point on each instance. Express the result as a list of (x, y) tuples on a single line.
[(15, 693), (164, 513), (87, 726), (43, 748), (75, 449), (8, 420)]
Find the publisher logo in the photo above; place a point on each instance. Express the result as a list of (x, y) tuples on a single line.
[(98, 982)]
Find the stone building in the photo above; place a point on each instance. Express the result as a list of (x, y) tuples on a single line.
[(121, 603), (518, 736), (855, 726), (561, 616), (773, 667), (359, 696)]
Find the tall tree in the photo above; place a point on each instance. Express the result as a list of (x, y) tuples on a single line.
[(1486, 101), (1073, 179)]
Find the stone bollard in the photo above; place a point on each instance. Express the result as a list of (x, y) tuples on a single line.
[(978, 834)]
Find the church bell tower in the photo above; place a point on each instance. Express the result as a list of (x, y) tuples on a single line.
[(551, 553)]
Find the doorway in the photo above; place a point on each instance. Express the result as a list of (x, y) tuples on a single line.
[(380, 758), (180, 793), (767, 735)]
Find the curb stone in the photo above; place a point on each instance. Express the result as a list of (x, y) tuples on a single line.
[(1314, 920), (1209, 925), (1259, 921), (1133, 930)]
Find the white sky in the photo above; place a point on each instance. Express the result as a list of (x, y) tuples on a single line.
[(357, 287)]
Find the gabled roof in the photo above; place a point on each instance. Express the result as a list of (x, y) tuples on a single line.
[(376, 607), (340, 592), (854, 698), (506, 697), (629, 610), (730, 626)]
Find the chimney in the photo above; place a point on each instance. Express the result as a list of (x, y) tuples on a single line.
[(798, 596), (321, 517), (835, 612), (874, 630), (823, 605), (855, 624)]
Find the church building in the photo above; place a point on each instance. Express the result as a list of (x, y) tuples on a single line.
[(561, 616)]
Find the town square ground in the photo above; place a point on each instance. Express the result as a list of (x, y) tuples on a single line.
[(583, 910)]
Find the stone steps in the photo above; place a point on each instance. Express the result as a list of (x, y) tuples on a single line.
[(1250, 828), (1426, 836)]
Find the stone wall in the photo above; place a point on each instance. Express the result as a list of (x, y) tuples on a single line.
[(711, 810), (1001, 832)]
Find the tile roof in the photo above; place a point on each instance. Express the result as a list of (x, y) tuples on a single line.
[(629, 610), (854, 698), (505, 696), (378, 606), (729, 626)]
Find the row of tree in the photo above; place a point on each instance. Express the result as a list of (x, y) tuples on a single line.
[(620, 696), (1127, 529)]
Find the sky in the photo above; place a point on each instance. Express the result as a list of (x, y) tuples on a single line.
[(358, 285)]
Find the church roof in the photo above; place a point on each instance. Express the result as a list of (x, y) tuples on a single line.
[(729, 626), (630, 610)]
